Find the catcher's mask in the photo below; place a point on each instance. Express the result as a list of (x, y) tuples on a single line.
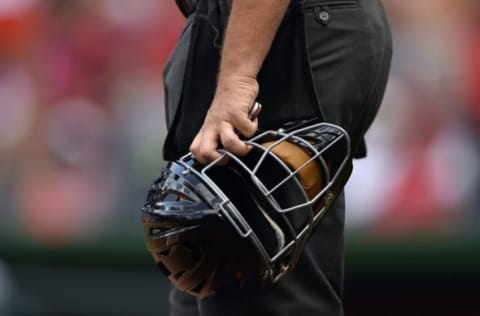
[(212, 226)]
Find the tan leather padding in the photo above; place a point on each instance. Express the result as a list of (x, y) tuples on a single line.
[(311, 176), (219, 259)]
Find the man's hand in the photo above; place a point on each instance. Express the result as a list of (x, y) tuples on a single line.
[(226, 119), (250, 32)]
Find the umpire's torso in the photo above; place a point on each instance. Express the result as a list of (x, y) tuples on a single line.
[(330, 59)]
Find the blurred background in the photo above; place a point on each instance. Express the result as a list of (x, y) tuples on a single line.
[(81, 132)]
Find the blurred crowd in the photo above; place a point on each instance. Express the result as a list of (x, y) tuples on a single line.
[(82, 125), (81, 113), (423, 174)]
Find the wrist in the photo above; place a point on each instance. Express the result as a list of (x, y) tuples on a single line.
[(232, 83), (238, 91)]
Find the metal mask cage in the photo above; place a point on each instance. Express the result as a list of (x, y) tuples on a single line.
[(328, 146)]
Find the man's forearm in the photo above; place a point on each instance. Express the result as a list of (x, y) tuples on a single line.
[(251, 29), (249, 35)]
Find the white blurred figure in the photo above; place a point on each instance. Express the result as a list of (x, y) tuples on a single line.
[(132, 14), (15, 6), (455, 165), (372, 178)]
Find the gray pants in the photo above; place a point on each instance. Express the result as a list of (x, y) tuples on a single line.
[(330, 59)]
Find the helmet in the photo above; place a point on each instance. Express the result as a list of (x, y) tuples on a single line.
[(213, 226)]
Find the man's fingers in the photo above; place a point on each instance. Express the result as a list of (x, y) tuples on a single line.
[(245, 126), (196, 142), (204, 146), (225, 130), (232, 142)]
